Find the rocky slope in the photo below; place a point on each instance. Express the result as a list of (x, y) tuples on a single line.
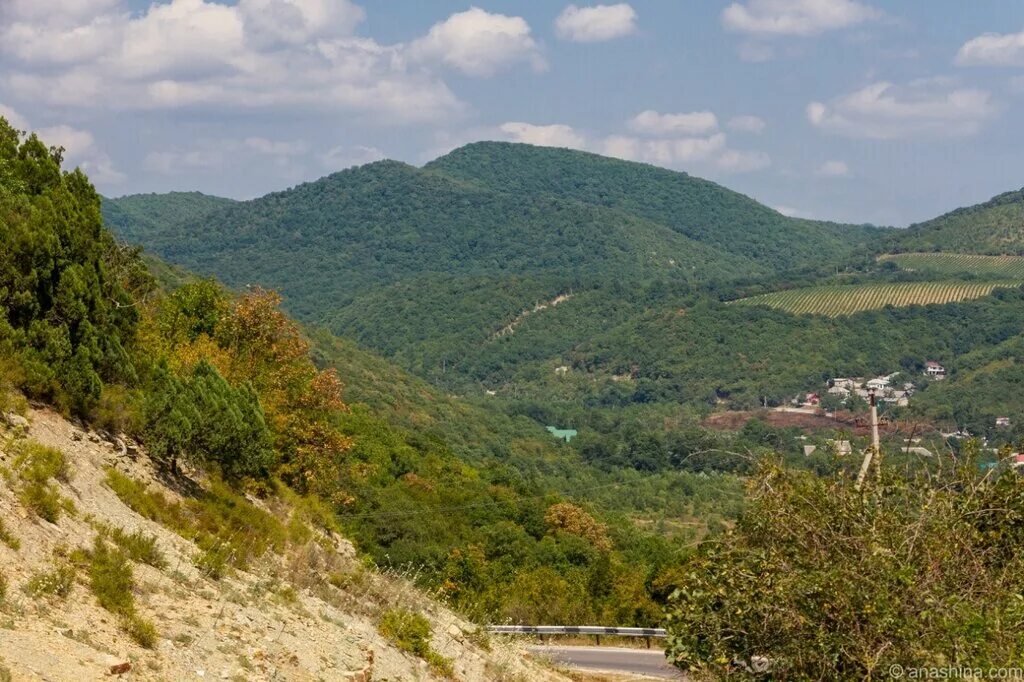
[(308, 613)]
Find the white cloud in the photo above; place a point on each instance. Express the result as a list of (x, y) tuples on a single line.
[(597, 23), (886, 111), (556, 135), (833, 169), (262, 145), (736, 161), (80, 148), (652, 123), (258, 54), (993, 49), (341, 157), (795, 17), (479, 43), (663, 152), (747, 124), (17, 121), (292, 22), (175, 162)]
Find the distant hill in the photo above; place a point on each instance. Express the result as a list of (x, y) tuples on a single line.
[(428, 265), (138, 217), (994, 227), (699, 209)]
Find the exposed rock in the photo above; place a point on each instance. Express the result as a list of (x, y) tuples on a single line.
[(120, 668)]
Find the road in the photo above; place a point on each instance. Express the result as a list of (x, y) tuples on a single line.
[(611, 659)]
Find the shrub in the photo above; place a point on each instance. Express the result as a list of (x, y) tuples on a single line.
[(143, 631), (56, 583), (139, 546), (828, 582), (410, 632), (35, 466), (230, 530), (110, 574), (7, 538)]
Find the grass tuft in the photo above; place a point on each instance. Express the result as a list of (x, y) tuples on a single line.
[(55, 583)]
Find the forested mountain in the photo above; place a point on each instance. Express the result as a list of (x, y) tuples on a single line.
[(139, 217), (993, 227), (442, 268), (697, 208)]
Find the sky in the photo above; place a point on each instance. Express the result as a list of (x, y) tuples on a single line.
[(847, 110)]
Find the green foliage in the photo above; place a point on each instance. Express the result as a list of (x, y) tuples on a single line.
[(138, 546), (110, 577), (993, 227), (111, 581), (67, 316), (229, 530), (207, 419), (57, 582), (826, 582), (35, 467), (410, 632)]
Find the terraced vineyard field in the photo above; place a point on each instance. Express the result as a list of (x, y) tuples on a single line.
[(834, 301), (959, 263)]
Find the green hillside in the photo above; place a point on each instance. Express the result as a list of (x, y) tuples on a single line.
[(697, 208), (430, 265), (994, 227), (138, 217)]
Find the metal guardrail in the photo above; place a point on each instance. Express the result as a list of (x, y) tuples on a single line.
[(574, 630)]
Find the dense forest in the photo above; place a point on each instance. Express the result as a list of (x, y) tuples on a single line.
[(485, 508)]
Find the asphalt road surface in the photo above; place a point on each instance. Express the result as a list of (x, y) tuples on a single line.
[(649, 662)]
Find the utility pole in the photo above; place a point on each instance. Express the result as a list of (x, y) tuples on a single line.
[(875, 451)]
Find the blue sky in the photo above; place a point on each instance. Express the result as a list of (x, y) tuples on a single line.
[(860, 111)]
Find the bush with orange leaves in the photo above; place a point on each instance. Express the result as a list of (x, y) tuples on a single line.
[(574, 520)]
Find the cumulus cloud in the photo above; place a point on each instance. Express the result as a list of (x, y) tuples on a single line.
[(595, 24), (663, 152), (292, 22), (479, 43), (795, 17), (280, 54), (993, 49), (833, 169), (556, 135), (653, 123), (276, 147), (887, 111), (747, 124), (737, 161)]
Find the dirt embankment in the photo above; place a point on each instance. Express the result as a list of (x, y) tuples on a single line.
[(856, 425), (281, 618)]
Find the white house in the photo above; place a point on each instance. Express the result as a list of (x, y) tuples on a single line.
[(934, 370)]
